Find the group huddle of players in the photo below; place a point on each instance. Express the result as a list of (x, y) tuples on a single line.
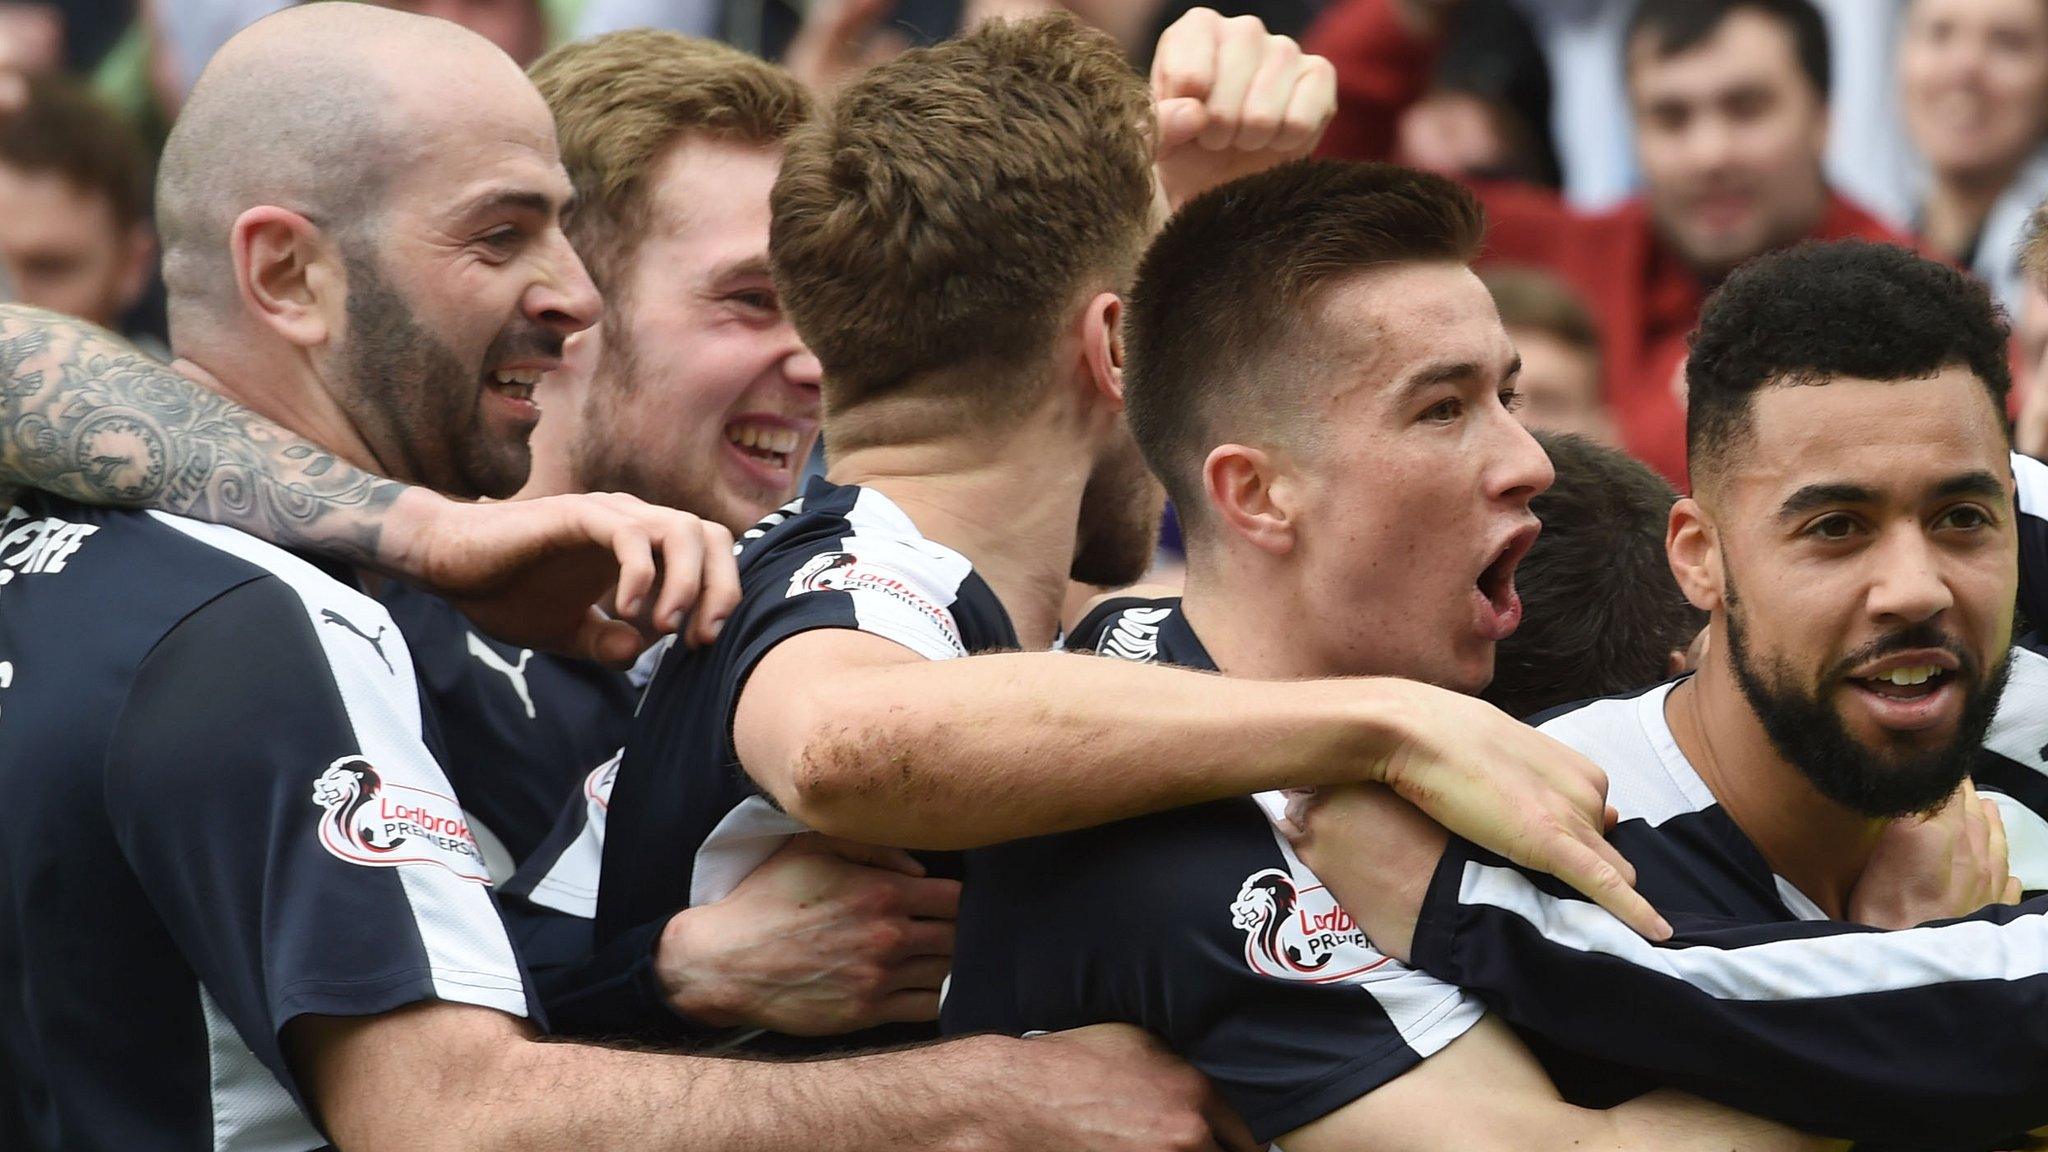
[(292, 855)]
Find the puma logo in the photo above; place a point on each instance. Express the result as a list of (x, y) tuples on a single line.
[(377, 641), (516, 673)]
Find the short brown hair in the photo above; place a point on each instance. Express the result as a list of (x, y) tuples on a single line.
[(63, 128), (1532, 298), (621, 100), (948, 209), (2034, 249), (1232, 286)]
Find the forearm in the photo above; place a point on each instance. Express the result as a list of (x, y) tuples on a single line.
[(87, 417), (569, 1096), (962, 753)]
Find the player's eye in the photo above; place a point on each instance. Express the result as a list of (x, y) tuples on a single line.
[(1444, 411), (1965, 518), (500, 241), (1512, 399), (1839, 526), (758, 299)]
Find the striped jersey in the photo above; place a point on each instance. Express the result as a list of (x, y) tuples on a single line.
[(1931, 1037), (676, 821), (221, 813), (1199, 925)]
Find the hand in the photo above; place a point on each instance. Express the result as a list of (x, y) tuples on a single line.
[(825, 937), (535, 572), (1109, 1088), (1937, 867), (1512, 790), (1232, 100), (840, 39)]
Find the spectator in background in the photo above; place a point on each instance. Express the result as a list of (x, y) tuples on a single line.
[(1487, 113), (1560, 345), (517, 26), (1729, 103), (75, 235), (1601, 613), (1973, 81)]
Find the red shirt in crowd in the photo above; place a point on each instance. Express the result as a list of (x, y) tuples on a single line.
[(1645, 297)]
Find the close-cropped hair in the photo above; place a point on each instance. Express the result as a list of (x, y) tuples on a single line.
[(1674, 27), (1224, 312), (622, 100), (62, 128), (1821, 311), (934, 228), (1601, 612)]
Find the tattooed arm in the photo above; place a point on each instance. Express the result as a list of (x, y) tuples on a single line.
[(86, 416)]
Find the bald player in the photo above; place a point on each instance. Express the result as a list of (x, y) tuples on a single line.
[(214, 750)]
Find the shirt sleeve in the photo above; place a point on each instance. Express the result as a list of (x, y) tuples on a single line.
[(269, 783), (1932, 1036)]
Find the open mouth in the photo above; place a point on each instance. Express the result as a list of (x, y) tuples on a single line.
[(515, 384), (1500, 605), (1913, 682), (769, 445)]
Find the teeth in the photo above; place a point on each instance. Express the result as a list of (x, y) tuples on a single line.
[(763, 438), (517, 384), (1908, 677)]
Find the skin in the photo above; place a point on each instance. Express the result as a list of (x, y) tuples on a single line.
[(1560, 387), (1730, 135), (1973, 83), (64, 250), (698, 352), (1349, 522), (1930, 542)]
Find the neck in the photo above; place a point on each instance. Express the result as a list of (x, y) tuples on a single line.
[(1956, 207), (1817, 844), (1248, 617), (292, 398), (1010, 504)]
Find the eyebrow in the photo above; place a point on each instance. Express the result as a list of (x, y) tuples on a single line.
[(1448, 372), (756, 265), (1814, 497), (521, 199)]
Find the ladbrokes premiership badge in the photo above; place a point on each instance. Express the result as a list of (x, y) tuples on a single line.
[(368, 820), (1299, 934)]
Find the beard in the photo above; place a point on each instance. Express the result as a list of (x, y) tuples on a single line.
[(1881, 783), (424, 401), (1119, 525)]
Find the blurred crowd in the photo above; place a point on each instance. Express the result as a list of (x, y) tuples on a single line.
[(1623, 177)]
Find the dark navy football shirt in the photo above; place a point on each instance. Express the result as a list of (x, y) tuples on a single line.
[(222, 813), (677, 822), (522, 729), (1199, 925)]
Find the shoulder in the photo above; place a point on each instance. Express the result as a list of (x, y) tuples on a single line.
[(1648, 776), (2030, 477), (1123, 626)]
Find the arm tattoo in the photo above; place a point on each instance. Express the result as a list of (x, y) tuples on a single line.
[(86, 416)]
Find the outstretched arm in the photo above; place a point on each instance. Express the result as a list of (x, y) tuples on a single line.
[(86, 416)]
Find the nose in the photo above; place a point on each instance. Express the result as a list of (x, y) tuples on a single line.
[(1908, 586), (1521, 469), (563, 299), (1710, 143)]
